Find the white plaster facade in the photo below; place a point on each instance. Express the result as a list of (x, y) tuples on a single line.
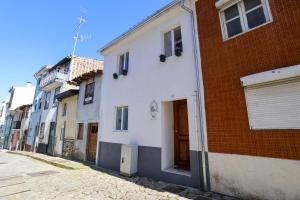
[(149, 80), (262, 177), (86, 114)]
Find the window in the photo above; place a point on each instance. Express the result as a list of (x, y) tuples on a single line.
[(40, 104), (47, 100), (89, 93), (272, 99), (35, 105), (243, 16), (62, 132), (173, 42), (64, 109), (122, 118), (124, 63), (57, 90), (80, 131)]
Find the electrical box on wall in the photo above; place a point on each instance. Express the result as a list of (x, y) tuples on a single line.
[(129, 160)]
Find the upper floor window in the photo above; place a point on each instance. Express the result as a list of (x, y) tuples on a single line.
[(47, 100), (40, 104), (124, 63), (64, 109), (244, 16), (173, 42), (57, 90), (122, 118), (89, 93)]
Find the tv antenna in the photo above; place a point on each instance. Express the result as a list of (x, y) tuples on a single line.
[(78, 37)]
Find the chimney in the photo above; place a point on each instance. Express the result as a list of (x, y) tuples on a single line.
[(28, 84)]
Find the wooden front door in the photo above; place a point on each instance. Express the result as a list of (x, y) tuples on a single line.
[(181, 135), (51, 139), (92, 142)]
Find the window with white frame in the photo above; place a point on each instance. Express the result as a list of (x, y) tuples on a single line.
[(123, 63), (243, 16), (89, 93), (122, 118), (56, 92), (173, 42), (47, 100)]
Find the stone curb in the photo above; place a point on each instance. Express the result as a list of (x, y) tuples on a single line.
[(43, 160)]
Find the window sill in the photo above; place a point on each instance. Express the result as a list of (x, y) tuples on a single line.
[(120, 131), (240, 34)]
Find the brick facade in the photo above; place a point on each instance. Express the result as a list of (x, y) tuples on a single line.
[(271, 46)]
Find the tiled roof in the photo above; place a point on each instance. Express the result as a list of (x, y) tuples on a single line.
[(83, 66)]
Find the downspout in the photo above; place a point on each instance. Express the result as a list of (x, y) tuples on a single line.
[(198, 97)]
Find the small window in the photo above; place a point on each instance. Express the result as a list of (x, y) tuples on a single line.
[(40, 103), (124, 63), (62, 131), (35, 105), (243, 16), (57, 90), (80, 132), (89, 93), (47, 100), (122, 118), (173, 42), (64, 111)]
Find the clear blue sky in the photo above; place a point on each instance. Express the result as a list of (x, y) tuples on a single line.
[(34, 33)]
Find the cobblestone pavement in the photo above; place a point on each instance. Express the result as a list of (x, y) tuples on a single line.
[(24, 178)]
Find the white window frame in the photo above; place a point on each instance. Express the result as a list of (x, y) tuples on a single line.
[(243, 18), (124, 62), (122, 119), (172, 40)]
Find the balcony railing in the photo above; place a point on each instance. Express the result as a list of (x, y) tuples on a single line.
[(16, 125), (52, 78)]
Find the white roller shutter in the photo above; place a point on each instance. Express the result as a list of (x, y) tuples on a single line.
[(274, 106)]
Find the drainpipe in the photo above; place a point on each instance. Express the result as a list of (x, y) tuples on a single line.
[(201, 157)]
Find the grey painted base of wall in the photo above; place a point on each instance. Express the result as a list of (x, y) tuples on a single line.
[(149, 164)]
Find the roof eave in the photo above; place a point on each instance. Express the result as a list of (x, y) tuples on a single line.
[(140, 25)]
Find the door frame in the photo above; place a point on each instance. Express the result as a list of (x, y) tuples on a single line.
[(176, 119), (89, 125)]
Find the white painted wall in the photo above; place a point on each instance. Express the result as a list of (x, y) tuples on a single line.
[(148, 79), (87, 113), (22, 96), (252, 177)]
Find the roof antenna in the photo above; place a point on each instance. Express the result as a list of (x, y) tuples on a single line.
[(77, 37)]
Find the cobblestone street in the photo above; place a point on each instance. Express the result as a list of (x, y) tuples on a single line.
[(24, 178)]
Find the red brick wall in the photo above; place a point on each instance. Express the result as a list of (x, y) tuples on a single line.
[(223, 64)]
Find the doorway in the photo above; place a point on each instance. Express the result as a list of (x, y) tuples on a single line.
[(181, 135), (51, 140), (92, 142)]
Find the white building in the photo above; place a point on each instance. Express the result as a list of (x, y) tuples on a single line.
[(149, 100), (57, 80), (19, 96), (36, 110), (87, 117)]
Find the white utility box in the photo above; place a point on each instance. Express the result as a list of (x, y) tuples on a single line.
[(129, 160)]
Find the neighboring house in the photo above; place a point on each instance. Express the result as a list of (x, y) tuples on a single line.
[(250, 51), (66, 123), (87, 118), (35, 117), (19, 96), (149, 100), (2, 120), (54, 82), (19, 132)]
